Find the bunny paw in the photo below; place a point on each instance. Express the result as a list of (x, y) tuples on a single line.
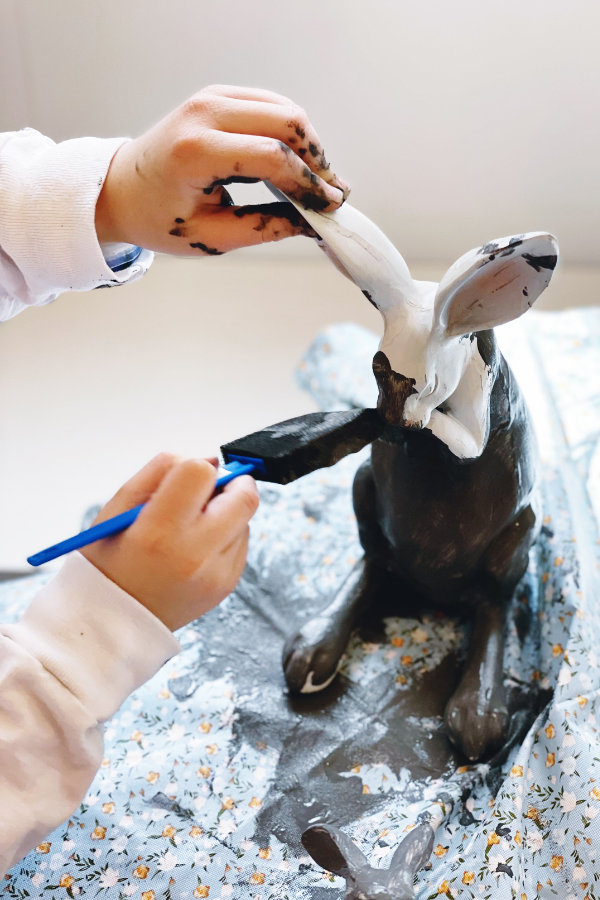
[(312, 657), (475, 729)]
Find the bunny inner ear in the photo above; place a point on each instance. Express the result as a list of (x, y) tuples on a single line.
[(411, 855), (495, 283), (333, 850)]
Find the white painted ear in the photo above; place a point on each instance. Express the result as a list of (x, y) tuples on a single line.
[(495, 283), (362, 252)]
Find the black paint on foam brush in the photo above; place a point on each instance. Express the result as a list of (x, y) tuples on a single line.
[(299, 446)]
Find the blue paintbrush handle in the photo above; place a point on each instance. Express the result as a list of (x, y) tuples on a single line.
[(122, 521)]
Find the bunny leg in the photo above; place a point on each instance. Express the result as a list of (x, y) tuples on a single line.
[(312, 656), (476, 715)]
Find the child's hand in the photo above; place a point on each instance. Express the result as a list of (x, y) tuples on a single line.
[(164, 191), (185, 552)]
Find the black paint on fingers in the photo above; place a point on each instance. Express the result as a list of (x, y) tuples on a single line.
[(211, 251), (279, 209), (232, 179)]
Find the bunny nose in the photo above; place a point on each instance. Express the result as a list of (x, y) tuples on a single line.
[(394, 391)]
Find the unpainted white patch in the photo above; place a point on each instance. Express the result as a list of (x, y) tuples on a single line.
[(310, 688)]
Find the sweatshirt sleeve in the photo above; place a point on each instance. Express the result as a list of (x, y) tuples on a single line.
[(81, 648), (48, 241)]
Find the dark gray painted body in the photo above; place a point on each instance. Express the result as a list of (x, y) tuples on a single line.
[(457, 531)]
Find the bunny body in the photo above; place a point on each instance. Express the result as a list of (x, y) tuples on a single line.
[(447, 501)]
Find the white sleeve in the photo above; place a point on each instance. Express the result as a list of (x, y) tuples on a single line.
[(48, 242), (80, 649)]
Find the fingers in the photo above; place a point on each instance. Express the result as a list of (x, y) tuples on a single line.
[(287, 123), (182, 494), (244, 93), (214, 233), (139, 488)]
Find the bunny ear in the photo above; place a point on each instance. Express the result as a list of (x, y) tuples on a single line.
[(334, 851), (411, 855), (361, 251), (495, 283)]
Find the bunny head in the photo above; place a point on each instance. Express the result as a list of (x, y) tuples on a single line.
[(429, 369), (334, 851)]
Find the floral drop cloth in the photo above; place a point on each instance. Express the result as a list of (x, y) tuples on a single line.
[(211, 770)]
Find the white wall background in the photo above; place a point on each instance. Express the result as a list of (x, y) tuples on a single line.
[(455, 120)]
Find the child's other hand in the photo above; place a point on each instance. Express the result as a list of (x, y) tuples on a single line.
[(185, 552), (164, 191)]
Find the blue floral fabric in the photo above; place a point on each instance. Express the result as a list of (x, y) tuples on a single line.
[(207, 765)]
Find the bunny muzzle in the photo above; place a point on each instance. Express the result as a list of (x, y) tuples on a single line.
[(394, 391)]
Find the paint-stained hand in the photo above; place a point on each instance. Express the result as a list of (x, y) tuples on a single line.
[(186, 551), (165, 190)]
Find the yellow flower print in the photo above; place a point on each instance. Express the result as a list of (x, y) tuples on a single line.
[(148, 895), (402, 679), (398, 642), (99, 833), (517, 837), (196, 832), (204, 727), (265, 853), (66, 881), (108, 808), (255, 803), (556, 863), (212, 749), (557, 650), (228, 803), (257, 878), (202, 891), (406, 660), (468, 878), (550, 760), (444, 887), (493, 839), (136, 736), (203, 772), (517, 771), (141, 872), (44, 848), (152, 777), (440, 851), (168, 831), (550, 731)]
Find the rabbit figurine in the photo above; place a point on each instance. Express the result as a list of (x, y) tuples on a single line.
[(334, 851), (447, 501)]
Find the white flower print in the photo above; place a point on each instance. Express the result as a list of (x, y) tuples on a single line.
[(568, 740), (578, 873), (109, 878), (564, 676), (168, 861), (494, 860), (535, 841), (568, 765), (568, 801)]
